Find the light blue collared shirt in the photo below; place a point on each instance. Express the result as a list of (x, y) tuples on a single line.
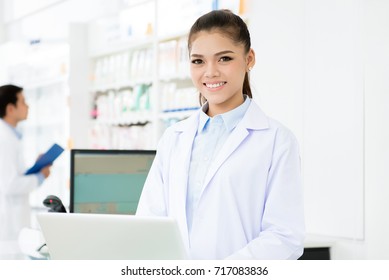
[(19, 135), (210, 137)]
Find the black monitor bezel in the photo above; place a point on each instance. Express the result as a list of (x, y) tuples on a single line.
[(73, 152)]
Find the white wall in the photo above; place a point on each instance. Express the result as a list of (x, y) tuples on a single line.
[(2, 25), (322, 69), (3, 74), (377, 128), (277, 34), (333, 118)]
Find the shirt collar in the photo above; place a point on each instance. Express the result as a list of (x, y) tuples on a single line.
[(230, 118), (203, 117), (14, 130)]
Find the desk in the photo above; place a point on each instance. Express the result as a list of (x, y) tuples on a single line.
[(30, 244), (317, 248)]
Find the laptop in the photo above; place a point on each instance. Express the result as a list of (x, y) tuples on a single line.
[(81, 236)]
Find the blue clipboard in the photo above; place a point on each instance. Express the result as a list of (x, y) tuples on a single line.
[(46, 159)]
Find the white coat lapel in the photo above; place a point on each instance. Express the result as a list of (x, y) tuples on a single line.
[(254, 119), (231, 144), (179, 170)]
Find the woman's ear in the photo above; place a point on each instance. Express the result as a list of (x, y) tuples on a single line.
[(250, 59)]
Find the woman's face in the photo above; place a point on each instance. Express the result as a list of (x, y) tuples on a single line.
[(218, 67)]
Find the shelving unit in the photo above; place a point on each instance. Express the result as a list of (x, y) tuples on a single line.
[(121, 87), (139, 81), (43, 74)]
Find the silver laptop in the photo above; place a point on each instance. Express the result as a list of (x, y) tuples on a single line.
[(71, 236)]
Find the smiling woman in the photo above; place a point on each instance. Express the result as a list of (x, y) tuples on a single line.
[(229, 174), (218, 67), (232, 39)]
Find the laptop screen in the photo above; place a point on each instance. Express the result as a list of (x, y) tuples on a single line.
[(108, 181)]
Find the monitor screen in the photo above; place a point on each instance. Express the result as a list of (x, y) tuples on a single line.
[(108, 181)]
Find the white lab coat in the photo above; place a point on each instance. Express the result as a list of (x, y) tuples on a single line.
[(251, 205), (14, 191)]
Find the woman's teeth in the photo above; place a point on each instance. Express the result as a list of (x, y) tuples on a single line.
[(215, 85)]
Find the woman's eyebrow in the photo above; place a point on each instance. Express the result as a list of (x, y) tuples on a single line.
[(223, 52), (216, 54)]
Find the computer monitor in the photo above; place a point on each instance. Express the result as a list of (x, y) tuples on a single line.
[(108, 181)]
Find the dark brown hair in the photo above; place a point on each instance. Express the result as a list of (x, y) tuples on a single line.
[(8, 95), (229, 24)]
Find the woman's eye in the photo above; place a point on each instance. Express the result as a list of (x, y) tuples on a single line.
[(225, 58), (197, 61)]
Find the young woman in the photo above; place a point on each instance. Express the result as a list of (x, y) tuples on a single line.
[(229, 175)]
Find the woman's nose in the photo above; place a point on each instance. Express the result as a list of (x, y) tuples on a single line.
[(212, 70)]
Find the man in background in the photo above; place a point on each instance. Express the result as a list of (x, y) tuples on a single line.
[(15, 187)]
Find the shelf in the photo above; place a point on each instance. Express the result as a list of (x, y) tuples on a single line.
[(136, 118), (123, 46), (123, 123), (172, 36), (183, 78), (43, 124), (120, 86), (178, 113), (45, 83)]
